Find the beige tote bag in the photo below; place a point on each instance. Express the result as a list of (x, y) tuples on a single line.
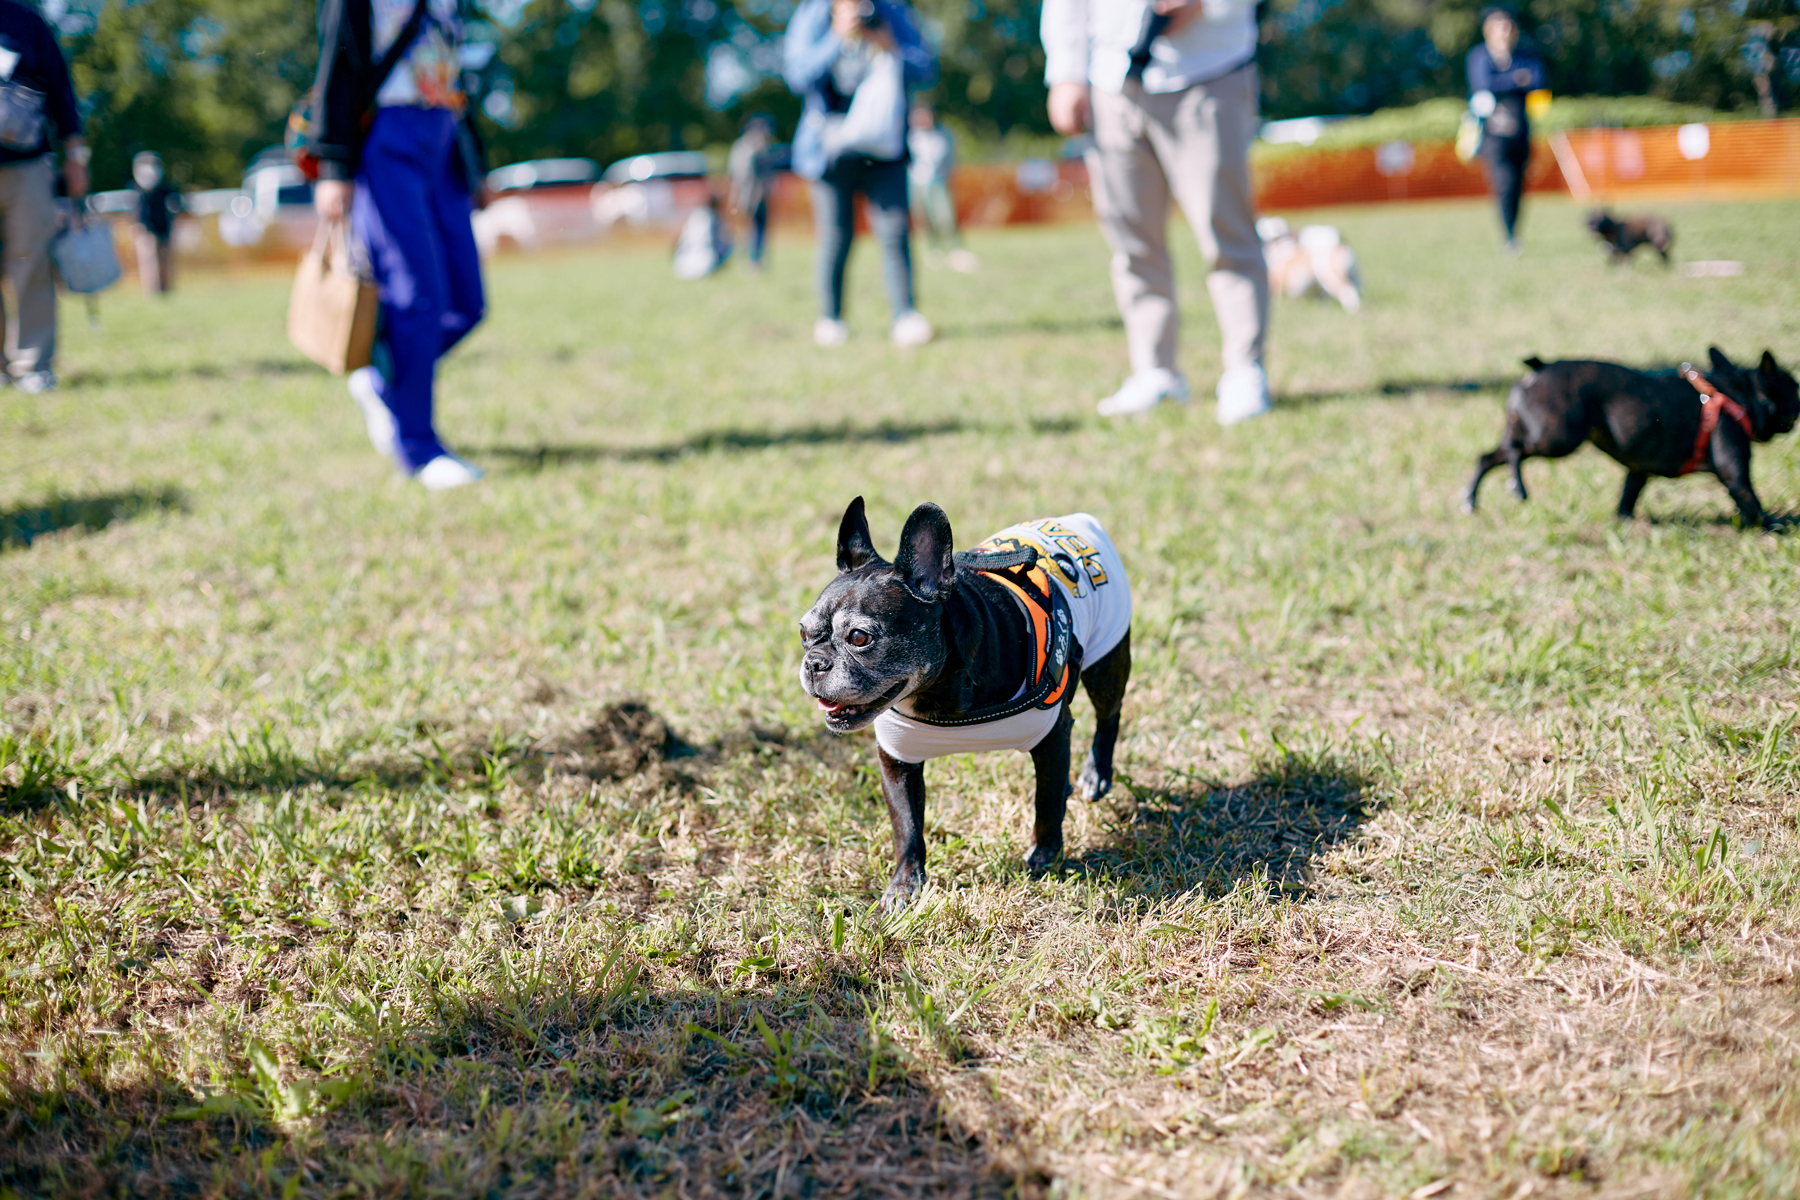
[(331, 313)]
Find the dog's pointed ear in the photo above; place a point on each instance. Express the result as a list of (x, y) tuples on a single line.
[(927, 557), (854, 546), (1768, 366), (1719, 361), (1535, 363)]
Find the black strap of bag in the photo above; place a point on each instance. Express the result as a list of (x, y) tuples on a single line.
[(332, 31)]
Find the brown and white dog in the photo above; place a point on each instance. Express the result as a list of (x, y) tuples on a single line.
[(1315, 261)]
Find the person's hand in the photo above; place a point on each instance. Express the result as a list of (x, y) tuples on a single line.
[(843, 20), (1181, 14), (331, 197), (1069, 108)]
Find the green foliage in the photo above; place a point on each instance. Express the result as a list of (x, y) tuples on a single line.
[(204, 83)]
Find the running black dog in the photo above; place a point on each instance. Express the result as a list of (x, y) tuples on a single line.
[(948, 653), (1662, 423), (1625, 236)]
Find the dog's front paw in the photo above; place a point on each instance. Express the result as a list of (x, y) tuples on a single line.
[(1468, 504), (902, 889), (1042, 858), (1091, 785)]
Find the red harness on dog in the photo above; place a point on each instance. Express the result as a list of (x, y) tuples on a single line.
[(1712, 400)]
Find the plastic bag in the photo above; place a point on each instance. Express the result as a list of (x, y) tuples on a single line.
[(875, 124), (84, 256)]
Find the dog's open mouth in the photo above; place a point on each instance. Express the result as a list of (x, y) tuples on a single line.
[(842, 717)]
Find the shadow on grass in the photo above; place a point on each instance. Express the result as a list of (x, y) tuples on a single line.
[(1268, 829), (560, 1072), (1779, 523), (1397, 387), (20, 526), (738, 441), (136, 376), (1030, 326)]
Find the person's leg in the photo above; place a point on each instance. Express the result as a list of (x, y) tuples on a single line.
[(1503, 177), (884, 184), (402, 165), (1131, 202), (833, 224), (1202, 138), (149, 277), (165, 265), (941, 205), (1518, 155), (27, 192), (759, 231), (465, 301)]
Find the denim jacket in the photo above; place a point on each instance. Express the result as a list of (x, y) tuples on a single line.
[(811, 50)]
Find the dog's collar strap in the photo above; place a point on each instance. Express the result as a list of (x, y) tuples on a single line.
[(1054, 648), (1712, 402), (980, 559)]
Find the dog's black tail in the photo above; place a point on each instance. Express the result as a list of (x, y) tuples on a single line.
[(1535, 363)]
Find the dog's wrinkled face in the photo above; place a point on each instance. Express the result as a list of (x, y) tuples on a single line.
[(1767, 392), (876, 634)]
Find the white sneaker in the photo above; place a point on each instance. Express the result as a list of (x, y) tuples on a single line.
[(33, 383), (829, 332), (1144, 391), (963, 260), (365, 389), (912, 330), (447, 471), (1243, 393)]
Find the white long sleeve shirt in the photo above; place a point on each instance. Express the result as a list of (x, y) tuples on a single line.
[(1090, 41)]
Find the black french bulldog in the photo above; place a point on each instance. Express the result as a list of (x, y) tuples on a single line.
[(1623, 237), (1654, 423), (943, 633)]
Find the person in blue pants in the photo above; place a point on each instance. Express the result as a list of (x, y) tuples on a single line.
[(405, 185)]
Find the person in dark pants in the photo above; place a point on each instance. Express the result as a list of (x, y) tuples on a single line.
[(1501, 74), (752, 174), (157, 204), (405, 185), (37, 114), (833, 48)]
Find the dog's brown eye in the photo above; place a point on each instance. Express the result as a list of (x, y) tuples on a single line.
[(858, 638)]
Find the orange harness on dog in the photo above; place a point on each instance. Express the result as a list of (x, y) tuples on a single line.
[(1712, 400), (1055, 650)]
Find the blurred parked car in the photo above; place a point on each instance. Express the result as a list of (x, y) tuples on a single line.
[(542, 173)]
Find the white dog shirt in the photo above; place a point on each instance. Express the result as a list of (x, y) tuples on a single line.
[(1080, 559)]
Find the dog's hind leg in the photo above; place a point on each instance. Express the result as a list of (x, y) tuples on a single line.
[(1050, 759), (1515, 456), (1105, 683), (1483, 465), (1634, 486)]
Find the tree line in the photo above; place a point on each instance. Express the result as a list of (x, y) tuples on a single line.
[(209, 83)]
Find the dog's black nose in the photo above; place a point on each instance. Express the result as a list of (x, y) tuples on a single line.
[(817, 665)]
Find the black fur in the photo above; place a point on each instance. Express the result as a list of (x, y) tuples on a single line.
[(951, 641), (1625, 236), (1646, 421)]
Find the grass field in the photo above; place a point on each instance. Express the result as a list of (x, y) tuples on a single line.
[(360, 841)]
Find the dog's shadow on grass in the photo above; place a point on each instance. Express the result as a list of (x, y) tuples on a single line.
[(739, 441), (23, 524), (1166, 841), (1781, 524), (1397, 387)]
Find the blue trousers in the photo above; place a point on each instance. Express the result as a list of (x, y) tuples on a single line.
[(412, 213)]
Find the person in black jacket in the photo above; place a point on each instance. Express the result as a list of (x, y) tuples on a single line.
[(157, 204), (37, 111), (395, 157), (1501, 74)]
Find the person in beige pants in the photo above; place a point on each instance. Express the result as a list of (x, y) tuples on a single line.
[(1170, 93)]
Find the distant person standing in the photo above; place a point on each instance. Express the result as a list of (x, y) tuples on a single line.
[(1501, 74), (157, 204), (853, 61), (392, 160), (1170, 92), (37, 110), (932, 154), (751, 175)]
